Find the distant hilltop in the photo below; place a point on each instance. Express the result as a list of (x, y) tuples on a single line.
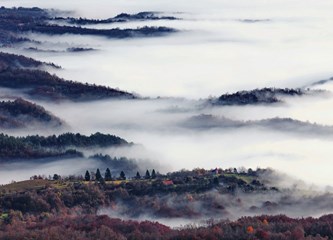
[(24, 74), (256, 96), (23, 114), (15, 21)]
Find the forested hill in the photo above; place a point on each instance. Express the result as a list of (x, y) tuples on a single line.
[(256, 96), (44, 86), (176, 194), (14, 226), (41, 208), (15, 61), (22, 73), (15, 21), (123, 17), (23, 114), (68, 144)]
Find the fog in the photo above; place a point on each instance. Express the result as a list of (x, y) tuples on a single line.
[(157, 128), (293, 204), (294, 198), (214, 52), (222, 46), (121, 159), (20, 171), (165, 141)]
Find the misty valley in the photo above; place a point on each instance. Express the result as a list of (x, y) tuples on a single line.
[(155, 120)]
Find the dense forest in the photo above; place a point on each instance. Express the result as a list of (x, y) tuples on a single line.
[(64, 145), (111, 33), (21, 114), (123, 17), (15, 226), (15, 21), (15, 61), (256, 96), (42, 85), (19, 72)]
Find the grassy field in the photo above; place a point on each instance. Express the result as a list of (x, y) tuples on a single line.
[(42, 183), (30, 185), (36, 184)]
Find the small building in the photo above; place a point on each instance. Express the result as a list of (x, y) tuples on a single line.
[(167, 182)]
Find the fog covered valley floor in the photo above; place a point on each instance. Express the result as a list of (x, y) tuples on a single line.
[(121, 124)]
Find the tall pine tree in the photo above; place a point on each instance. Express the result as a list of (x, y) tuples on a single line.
[(147, 175), (108, 176), (122, 175), (153, 174), (87, 176), (98, 175)]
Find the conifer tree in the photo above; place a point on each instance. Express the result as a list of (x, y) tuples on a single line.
[(108, 176), (87, 176), (153, 174), (98, 175), (122, 175), (147, 175), (56, 177)]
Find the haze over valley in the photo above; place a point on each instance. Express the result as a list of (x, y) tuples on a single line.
[(214, 109)]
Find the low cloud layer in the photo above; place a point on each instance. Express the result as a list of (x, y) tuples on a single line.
[(215, 51), (156, 126)]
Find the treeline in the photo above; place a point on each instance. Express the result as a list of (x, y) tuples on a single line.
[(15, 226), (42, 85), (15, 21), (123, 17), (74, 140), (117, 164), (289, 125), (91, 176), (8, 60), (256, 96), (70, 206), (68, 144), (53, 29), (21, 113), (19, 72), (10, 18), (172, 195)]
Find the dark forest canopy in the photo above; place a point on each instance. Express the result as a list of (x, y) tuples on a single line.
[(23, 73), (110, 33), (15, 21), (256, 96), (123, 17), (21, 114), (68, 144), (44, 86), (14, 61)]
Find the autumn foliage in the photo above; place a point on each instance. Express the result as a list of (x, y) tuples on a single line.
[(63, 226)]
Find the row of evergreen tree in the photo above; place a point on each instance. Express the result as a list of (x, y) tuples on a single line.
[(122, 176)]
